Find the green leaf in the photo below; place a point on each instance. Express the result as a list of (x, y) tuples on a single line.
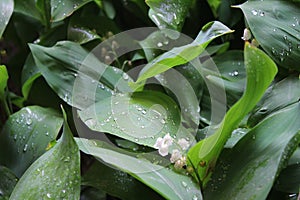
[(184, 54), (282, 94), (6, 7), (204, 154), (91, 193), (30, 73), (254, 163), (55, 175), (275, 26), (103, 177), (62, 9), (78, 77), (7, 183), (28, 8), (153, 114), (3, 82), (169, 14), (167, 183), (289, 179), (231, 75), (214, 5), (25, 136)]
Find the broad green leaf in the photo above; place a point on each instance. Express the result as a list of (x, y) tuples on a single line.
[(280, 95), (3, 82), (62, 9), (26, 135), (77, 77), (7, 183), (230, 76), (184, 54), (214, 4), (167, 183), (28, 8), (249, 169), (83, 28), (141, 117), (6, 8), (91, 193), (30, 73), (204, 154), (55, 175), (169, 14), (275, 25), (82, 35), (109, 9), (103, 177), (289, 179)]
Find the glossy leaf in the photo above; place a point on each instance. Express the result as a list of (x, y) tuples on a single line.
[(62, 9), (103, 177), (214, 4), (203, 155), (167, 183), (3, 82), (27, 8), (239, 174), (26, 135), (55, 175), (78, 77), (184, 54), (289, 178), (275, 25), (6, 8), (91, 193), (282, 94), (140, 118), (169, 14), (30, 73), (7, 183), (230, 75)]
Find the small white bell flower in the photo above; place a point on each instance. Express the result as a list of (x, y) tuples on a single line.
[(176, 155), (163, 144), (183, 143)]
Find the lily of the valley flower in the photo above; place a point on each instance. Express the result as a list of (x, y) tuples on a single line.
[(163, 144), (176, 155), (183, 143)]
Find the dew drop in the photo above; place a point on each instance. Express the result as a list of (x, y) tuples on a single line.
[(144, 112), (139, 119), (48, 195), (29, 122), (25, 147), (159, 44), (125, 76), (261, 14), (162, 121), (254, 12), (184, 184), (195, 197)]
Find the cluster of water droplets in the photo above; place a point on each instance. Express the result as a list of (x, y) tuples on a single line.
[(258, 12)]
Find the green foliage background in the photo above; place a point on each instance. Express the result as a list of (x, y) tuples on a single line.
[(251, 153)]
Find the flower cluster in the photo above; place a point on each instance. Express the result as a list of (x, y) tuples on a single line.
[(177, 157)]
